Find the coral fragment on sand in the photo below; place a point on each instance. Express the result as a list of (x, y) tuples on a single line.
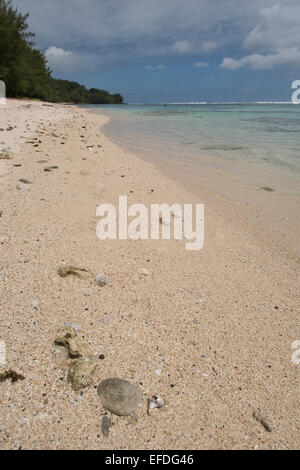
[(67, 338), (67, 269), (81, 372), (12, 375)]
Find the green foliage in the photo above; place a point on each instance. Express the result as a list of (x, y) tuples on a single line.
[(73, 92), (24, 68)]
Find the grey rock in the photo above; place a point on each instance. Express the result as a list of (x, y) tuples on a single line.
[(106, 425), (102, 280), (50, 168), (25, 181), (119, 396)]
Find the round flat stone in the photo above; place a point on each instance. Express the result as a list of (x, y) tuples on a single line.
[(119, 396)]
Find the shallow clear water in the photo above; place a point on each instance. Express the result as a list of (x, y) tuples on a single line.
[(248, 154), (250, 133)]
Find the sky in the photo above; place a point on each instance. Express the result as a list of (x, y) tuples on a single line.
[(160, 51)]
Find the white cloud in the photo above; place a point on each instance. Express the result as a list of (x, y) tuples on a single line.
[(209, 46), (278, 28), (201, 64), (155, 67), (57, 52), (62, 61), (274, 42), (182, 46), (265, 62), (58, 57)]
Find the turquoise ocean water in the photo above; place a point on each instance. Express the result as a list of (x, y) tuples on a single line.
[(238, 132), (234, 150)]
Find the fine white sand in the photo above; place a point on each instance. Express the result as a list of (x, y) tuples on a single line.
[(210, 331)]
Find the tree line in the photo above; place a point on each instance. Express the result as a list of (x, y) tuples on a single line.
[(24, 68)]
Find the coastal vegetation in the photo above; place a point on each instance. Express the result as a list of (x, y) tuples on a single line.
[(24, 69)]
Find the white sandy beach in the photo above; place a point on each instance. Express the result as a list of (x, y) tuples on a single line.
[(211, 331)]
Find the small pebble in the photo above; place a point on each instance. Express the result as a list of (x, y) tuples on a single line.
[(22, 187), (50, 168), (144, 272), (102, 280), (25, 181)]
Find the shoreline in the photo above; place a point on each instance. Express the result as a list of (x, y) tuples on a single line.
[(266, 197), (210, 331)]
